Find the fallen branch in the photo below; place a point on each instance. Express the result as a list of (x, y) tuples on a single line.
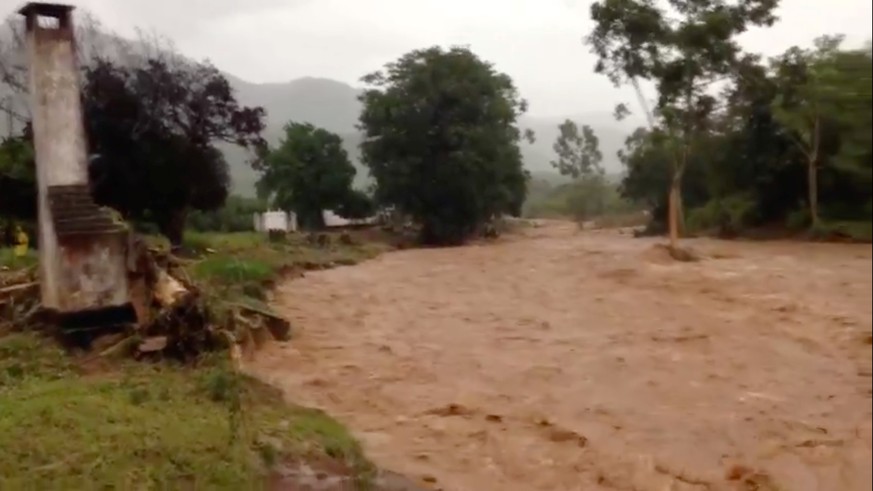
[(9, 291)]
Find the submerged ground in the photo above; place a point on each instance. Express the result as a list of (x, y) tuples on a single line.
[(563, 360)]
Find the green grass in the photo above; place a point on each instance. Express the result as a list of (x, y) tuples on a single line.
[(9, 260), (129, 425), (860, 231), (141, 426), (230, 269), (226, 242), (246, 263)]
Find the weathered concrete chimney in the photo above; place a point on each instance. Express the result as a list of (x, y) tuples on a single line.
[(81, 247)]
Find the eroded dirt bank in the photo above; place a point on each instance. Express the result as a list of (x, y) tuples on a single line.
[(562, 360)]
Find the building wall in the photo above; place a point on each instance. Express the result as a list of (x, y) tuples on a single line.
[(275, 220)]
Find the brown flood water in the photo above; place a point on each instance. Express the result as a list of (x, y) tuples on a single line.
[(564, 360)]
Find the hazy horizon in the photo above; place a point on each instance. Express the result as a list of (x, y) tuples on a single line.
[(538, 43)]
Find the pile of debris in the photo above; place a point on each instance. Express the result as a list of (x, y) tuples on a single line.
[(169, 314), (19, 297)]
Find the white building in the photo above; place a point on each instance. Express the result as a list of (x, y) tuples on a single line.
[(287, 221), (275, 220)]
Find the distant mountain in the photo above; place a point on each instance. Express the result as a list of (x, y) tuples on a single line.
[(334, 106), (322, 102)]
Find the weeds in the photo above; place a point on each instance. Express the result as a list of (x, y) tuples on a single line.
[(202, 425), (142, 426), (8, 259), (230, 269)]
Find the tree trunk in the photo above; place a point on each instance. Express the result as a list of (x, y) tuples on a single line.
[(173, 227), (812, 179), (675, 203), (311, 219)]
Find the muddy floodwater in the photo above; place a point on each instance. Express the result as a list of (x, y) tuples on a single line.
[(557, 360)]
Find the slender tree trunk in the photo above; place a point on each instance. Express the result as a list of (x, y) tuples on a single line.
[(812, 179), (676, 220), (812, 171), (673, 211)]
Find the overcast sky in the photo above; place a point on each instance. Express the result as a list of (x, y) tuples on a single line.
[(537, 42)]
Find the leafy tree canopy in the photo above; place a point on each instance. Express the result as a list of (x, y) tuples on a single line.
[(749, 166), (151, 128), (441, 141), (309, 172), (17, 179), (682, 46), (824, 101), (578, 154)]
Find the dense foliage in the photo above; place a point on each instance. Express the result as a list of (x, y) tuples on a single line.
[(683, 47), (17, 179), (441, 141), (152, 119), (152, 128), (793, 137), (17, 188), (595, 197), (237, 215), (781, 143), (579, 157), (310, 172)]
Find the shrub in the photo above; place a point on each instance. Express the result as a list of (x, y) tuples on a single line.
[(728, 215), (799, 219)]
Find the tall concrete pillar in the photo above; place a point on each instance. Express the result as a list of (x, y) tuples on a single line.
[(81, 247)]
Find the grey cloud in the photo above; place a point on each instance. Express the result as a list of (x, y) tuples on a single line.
[(537, 42)]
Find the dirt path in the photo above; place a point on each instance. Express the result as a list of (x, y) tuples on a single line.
[(563, 360)]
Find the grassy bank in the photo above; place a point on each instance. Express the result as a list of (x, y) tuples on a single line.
[(82, 421), (248, 263), (9, 261), (143, 426)]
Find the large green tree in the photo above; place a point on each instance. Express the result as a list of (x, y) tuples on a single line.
[(749, 167), (152, 127), (682, 46), (153, 120), (820, 89), (17, 186), (17, 179), (308, 172), (442, 141)]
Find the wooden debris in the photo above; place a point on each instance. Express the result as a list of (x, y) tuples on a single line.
[(173, 317), (279, 327), (152, 344), (168, 290), (22, 289)]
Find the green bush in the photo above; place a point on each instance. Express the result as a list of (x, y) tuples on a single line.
[(8, 259), (730, 215), (860, 231), (584, 199), (704, 219), (235, 216), (234, 270), (798, 220)]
